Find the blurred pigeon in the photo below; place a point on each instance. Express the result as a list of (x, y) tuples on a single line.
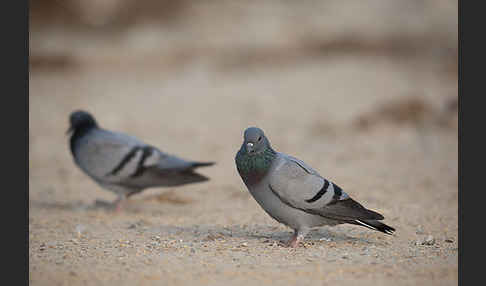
[(294, 194), (122, 163)]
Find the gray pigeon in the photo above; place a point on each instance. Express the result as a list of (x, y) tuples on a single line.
[(122, 163), (294, 194)]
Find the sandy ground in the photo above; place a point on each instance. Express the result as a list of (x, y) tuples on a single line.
[(384, 128)]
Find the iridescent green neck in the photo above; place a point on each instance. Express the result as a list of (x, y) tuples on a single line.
[(254, 166)]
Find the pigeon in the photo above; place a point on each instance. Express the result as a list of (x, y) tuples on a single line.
[(295, 194), (123, 164)]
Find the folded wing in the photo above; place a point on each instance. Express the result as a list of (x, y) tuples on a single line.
[(301, 187)]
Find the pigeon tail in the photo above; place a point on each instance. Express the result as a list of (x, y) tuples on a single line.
[(192, 177), (202, 164), (374, 225)]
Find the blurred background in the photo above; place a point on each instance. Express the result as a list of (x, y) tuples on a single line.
[(364, 91), (312, 50)]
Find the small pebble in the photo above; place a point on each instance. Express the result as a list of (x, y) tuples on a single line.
[(420, 230), (80, 229), (211, 237), (51, 244), (429, 240)]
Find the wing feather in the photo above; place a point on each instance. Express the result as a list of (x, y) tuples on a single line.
[(301, 187)]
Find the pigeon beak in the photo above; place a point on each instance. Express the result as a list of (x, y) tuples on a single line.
[(249, 147)]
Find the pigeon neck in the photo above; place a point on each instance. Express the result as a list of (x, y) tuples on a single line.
[(253, 168), (78, 133)]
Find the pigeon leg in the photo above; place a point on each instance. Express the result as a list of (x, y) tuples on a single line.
[(293, 242), (118, 203), (297, 238)]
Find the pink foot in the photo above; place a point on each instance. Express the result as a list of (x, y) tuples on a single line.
[(294, 241)]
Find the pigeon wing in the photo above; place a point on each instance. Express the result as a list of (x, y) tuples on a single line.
[(301, 187), (113, 157)]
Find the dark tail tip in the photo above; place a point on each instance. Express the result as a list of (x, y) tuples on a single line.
[(202, 164), (386, 229), (375, 225)]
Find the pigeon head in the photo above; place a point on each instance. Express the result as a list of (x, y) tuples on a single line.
[(255, 156), (255, 142), (81, 120)]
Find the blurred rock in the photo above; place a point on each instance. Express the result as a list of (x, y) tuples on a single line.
[(108, 14), (412, 110)]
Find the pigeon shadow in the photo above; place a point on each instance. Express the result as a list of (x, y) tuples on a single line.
[(207, 233), (73, 206), (262, 233)]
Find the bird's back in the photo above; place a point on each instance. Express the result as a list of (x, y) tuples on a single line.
[(100, 152), (113, 158)]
